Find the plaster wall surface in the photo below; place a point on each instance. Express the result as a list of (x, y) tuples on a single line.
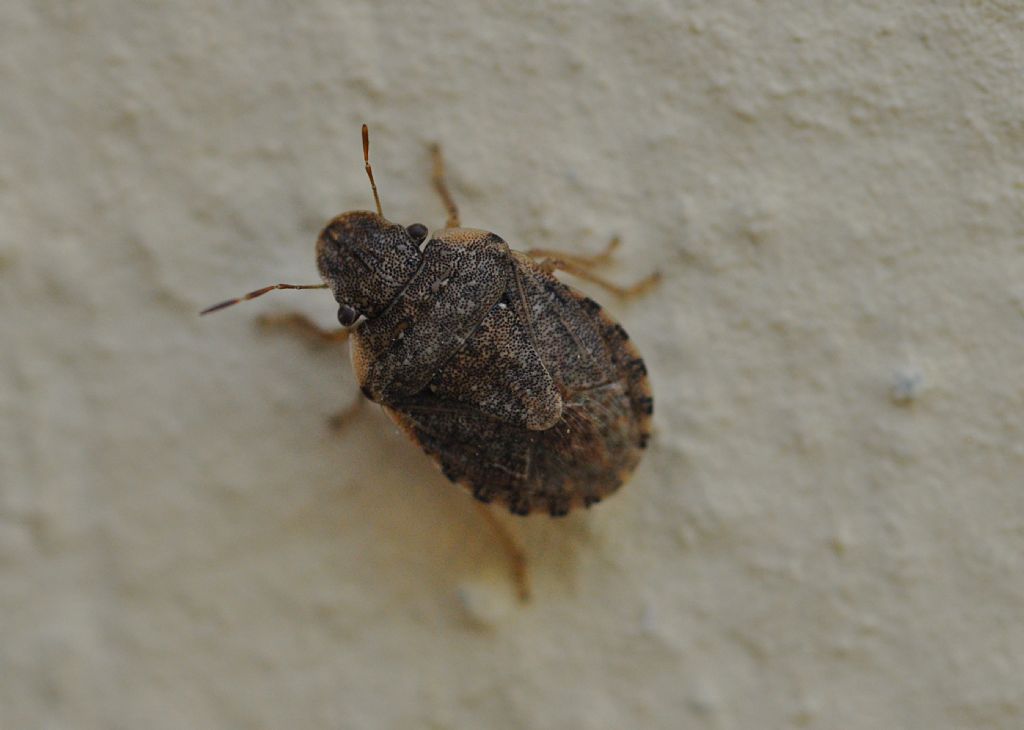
[(827, 529)]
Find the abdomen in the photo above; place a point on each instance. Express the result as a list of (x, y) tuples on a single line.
[(592, 448)]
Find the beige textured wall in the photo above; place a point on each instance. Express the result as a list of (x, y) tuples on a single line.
[(828, 529)]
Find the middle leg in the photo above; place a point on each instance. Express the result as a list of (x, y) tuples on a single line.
[(551, 265), (584, 260), (582, 265)]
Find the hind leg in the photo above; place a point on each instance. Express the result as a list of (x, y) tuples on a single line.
[(516, 554)]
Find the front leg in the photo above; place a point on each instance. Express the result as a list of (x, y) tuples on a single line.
[(312, 332), (303, 325)]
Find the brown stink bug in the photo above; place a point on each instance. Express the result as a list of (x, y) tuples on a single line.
[(520, 388)]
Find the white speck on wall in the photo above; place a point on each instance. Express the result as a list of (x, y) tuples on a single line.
[(826, 530), (907, 386)]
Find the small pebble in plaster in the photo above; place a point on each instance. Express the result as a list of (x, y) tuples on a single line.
[(484, 604), (704, 700), (806, 712), (648, 620), (1017, 298), (841, 540), (678, 229), (906, 387), (15, 542), (757, 219), (838, 545), (7, 256)]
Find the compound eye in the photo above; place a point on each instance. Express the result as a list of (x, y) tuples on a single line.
[(417, 232), (347, 315)]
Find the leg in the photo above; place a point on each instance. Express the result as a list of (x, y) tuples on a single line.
[(309, 329), (442, 188), (581, 264), (515, 553), (303, 325), (340, 420), (584, 260), (551, 265)]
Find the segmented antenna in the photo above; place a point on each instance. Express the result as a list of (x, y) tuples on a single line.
[(369, 170), (259, 293)]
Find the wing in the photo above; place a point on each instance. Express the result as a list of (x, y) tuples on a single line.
[(605, 416), (397, 353), (573, 463), (499, 371)]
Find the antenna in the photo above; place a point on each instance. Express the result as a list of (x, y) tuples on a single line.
[(259, 293), (369, 170)]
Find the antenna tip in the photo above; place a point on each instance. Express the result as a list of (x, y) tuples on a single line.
[(215, 307)]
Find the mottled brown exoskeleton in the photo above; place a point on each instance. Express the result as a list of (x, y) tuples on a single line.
[(522, 389)]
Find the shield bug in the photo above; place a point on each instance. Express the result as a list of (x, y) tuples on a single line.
[(519, 387)]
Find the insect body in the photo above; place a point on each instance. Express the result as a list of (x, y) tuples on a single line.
[(520, 388)]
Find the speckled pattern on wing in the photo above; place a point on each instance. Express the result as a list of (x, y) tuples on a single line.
[(541, 404), (433, 316)]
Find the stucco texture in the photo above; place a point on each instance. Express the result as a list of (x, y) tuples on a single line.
[(827, 530)]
